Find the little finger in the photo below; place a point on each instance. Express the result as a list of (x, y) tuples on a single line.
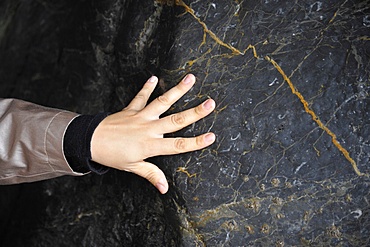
[(141, 99), (165, 101)]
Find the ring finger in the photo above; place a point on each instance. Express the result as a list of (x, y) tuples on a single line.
[(165, 101), (180, 120)]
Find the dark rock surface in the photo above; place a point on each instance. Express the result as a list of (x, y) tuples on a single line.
[(291, 80)]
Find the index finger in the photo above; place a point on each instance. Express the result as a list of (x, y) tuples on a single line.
[(165, 101), (170, 146)]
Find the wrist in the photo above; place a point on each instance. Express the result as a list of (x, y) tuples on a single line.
[(77, 143)]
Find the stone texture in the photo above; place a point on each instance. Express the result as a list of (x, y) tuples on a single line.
[(291, 82)]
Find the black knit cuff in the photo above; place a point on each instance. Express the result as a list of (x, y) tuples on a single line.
[(77, 143)]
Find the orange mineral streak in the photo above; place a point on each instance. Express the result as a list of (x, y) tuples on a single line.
[(212, 34), (183, 170), (286, 78), (315, 117)]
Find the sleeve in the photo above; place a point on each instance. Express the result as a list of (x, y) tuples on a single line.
[(77, 143), (31, 142)]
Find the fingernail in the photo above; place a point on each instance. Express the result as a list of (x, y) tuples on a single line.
[(187, 79), (153, 79), (210, 138), (162, 186), (209, 104)]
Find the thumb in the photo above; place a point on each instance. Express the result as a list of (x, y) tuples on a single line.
[(152, 173)]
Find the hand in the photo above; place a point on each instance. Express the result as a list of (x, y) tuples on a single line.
[(125, 139)]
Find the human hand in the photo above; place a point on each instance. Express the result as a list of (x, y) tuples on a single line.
[(125, 139)]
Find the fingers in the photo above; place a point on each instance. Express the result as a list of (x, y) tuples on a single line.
[(180, 120), (169, 146), (140, 100), (165, 101), (152, 173)]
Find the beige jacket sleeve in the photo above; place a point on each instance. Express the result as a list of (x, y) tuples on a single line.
[(31, 142)]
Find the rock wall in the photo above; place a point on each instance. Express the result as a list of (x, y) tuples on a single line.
[(291, 83)]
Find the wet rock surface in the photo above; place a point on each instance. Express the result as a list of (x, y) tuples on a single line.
[(291, 80)]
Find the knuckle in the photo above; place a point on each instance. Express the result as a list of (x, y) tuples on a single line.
[(151, 175), (178, 119), (199, 110), (140, 96), (164, 100), (180, 144), (199, 141)]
